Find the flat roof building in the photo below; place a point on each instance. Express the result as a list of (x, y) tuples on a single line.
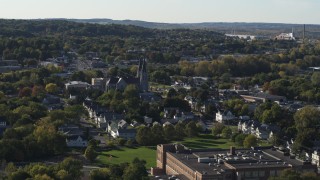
[(223, 164)]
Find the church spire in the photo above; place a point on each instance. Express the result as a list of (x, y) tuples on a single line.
[(139, 68)]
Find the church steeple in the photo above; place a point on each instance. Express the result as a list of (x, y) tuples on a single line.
[(143, 76), (139, 68)]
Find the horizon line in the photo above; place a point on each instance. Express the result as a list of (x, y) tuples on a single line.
[(247, 22)]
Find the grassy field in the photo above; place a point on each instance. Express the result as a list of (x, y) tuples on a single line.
[(209, 141), (206, 141), (127, 155)]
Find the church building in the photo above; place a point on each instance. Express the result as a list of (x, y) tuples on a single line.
[(141, 79)]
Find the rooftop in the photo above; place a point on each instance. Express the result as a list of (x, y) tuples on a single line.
[(219, 161)]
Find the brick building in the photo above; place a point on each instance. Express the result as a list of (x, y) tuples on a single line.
[(219, 164)]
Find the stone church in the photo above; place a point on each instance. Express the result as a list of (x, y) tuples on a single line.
[(141, 79)]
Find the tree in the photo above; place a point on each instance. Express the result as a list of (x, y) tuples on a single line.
[(157, 134), (72, 166), (100, 174), (63, 175), (90, 153), (19, 175), (51, 88), (191, 129), (169, 132), (136, 170), (144, 136), (239, 139), (307, 117), (306, 123), (250, 141), (217, 129), (179, 130), (131, 91), (315, 78), (25, 92), (287, 174), (227, 132)]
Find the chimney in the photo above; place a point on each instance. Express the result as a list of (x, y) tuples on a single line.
[(232, 150)]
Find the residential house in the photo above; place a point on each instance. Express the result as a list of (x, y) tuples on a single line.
[(74, 135), (147, 120), (155, 123), (52, 102), (98, 83), (183, 116), (248, 126), (125, 134), (135, 124), (169, 112), (122, 124), (192, 102), (315, 158), (76, 141), (70, 130), (149, 97), (79, 85), (166, 124), (265, 131), (264, 97), (225, 116), (3, 126)]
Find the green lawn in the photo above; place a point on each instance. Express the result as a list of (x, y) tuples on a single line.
[(206, 141), (127, 155), (209, 141)]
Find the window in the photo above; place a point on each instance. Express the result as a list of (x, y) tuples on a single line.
[(255, 173), (261, 173), (272, 173)]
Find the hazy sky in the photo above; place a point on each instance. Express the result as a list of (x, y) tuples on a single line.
[(172, 11)]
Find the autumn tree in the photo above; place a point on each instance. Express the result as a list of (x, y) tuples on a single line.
[(51, 88)]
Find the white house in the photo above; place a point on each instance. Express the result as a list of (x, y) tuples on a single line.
[(76, 141), (122, 124), (77, 85), (315, 159), (222, 117), (124, 133), (262, 132)]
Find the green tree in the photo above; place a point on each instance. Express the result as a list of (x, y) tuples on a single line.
[(169, 132), (239, 139), (217, 129), (144, 136), (227, 132), (90, 153), (72, 166), (191, 129), (136, 171), (315, 78), (250, 141), (157, 134), (100, 174), (179, 130)]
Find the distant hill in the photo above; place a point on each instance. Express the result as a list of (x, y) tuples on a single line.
[(267, 29)]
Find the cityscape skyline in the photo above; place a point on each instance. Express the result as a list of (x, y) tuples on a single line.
[(168, 11)]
